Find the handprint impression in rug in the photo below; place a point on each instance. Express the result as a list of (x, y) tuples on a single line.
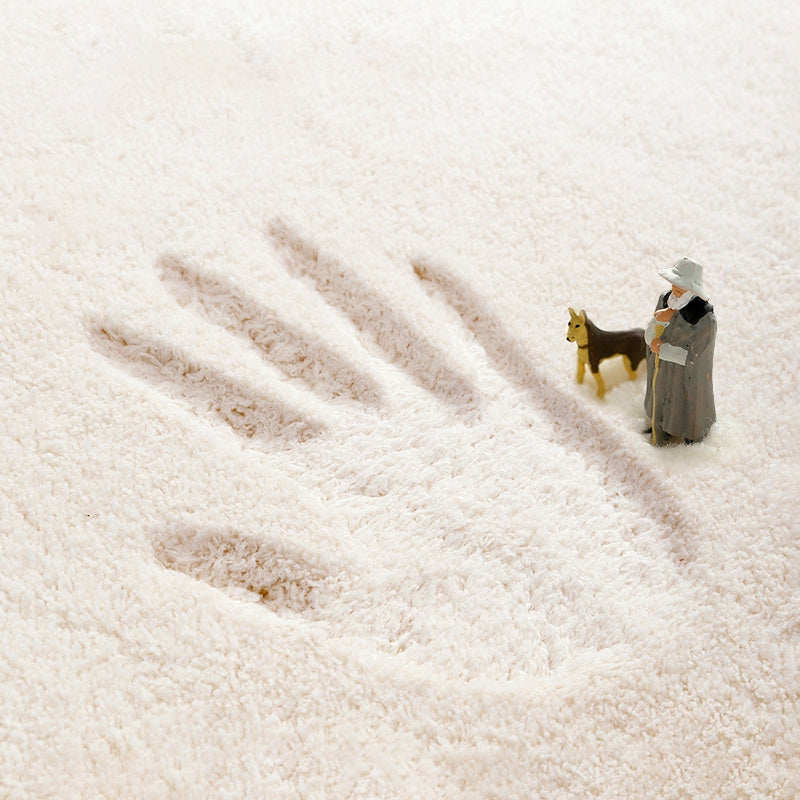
[(280, 574)]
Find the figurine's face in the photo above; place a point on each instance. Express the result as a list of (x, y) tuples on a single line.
[(677, 291), (576, 332)]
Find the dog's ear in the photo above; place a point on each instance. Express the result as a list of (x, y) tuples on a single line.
[(572, 312), (583, 315)]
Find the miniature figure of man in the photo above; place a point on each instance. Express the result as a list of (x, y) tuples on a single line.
[(679, 400)]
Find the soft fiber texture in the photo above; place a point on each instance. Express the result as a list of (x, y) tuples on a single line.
[(300, 498)]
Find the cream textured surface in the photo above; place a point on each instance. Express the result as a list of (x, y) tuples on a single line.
[(299, 496)]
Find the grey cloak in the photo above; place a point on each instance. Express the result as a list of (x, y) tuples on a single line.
[(684, 395)]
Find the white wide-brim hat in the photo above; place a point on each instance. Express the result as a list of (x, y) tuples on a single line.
[(688, 275)]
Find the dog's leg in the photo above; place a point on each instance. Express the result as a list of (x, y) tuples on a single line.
[(629, 368), (601, 386), (581, 369)]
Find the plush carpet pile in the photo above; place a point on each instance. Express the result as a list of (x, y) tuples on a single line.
[(300, 497)]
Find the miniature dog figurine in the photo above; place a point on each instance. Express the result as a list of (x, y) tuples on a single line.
[(596, 345)]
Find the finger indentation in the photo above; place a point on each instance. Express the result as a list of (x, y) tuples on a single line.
[(374, 316), (572, 425), (281, 576), (248, 412), (297, 354)]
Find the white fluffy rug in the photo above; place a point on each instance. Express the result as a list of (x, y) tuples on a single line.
[(300, 498)]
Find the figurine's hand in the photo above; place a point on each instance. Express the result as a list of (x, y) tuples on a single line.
[(655, 346), (665, 315)]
